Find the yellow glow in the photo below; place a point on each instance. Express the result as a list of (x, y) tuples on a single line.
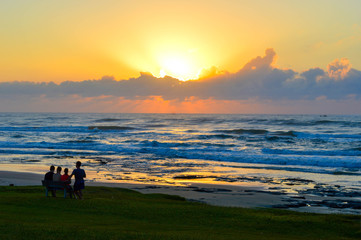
[(162, 73), (123, 38), (178, 67)]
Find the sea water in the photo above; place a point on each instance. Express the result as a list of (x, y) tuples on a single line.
[(170, 148)]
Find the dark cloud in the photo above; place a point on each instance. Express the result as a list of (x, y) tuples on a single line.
[(259, 78), (262, 63)]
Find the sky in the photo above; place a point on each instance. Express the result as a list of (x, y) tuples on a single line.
[(185, 56)]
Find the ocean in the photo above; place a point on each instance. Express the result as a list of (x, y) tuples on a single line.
[(293, 152)]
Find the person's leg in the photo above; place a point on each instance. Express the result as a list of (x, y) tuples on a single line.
[(76, 189), (77, 194), (69, 190), (80, 194)]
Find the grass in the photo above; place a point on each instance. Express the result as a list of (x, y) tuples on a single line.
[(115, 213)]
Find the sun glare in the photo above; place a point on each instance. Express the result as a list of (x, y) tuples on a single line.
[(179, 67), (162, 73)]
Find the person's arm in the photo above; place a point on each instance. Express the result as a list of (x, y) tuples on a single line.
[(72, 174), (68, 180)]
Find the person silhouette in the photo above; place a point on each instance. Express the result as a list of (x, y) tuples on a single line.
[(49, 177), (57, 175), (79, 180), (66, 178)]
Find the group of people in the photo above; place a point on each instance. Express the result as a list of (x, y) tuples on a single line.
[(78, 173)]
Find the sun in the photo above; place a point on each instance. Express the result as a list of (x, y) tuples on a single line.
[(180, 67)]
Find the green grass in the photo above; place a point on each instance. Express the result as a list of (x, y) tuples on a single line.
[(114, 213)]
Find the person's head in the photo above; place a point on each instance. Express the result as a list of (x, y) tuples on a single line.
[(52, 168), (66, 171), (58, 169), (78, 164)]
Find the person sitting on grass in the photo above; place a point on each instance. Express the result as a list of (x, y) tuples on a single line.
[(49, 177), (79, 180), (66, 178), (57, 175)]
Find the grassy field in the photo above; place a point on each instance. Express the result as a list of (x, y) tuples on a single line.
[(114, 213)]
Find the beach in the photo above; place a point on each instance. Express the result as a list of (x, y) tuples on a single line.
[(221, 195), (308, 163), (245, 196)]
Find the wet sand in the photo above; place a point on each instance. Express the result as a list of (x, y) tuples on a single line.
[(249, 196)]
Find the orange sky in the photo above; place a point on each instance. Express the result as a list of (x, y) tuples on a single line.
[(311, 61), (87, 39)]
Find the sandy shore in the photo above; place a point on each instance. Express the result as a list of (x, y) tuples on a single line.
[(214, 194), (221, 195)]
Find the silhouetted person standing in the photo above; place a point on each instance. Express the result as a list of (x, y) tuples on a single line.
[(79, 180)]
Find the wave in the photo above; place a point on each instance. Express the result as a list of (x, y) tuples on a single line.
[(295, 122), (18, 136), (56, 118), (110, 128), (204, 120), (38, 152), (189, 150), (155, 126), (311, 122), (322, 122), (216, 136), (280, 139), (80, 141), (56, 146), (355, 149), (195, 121), (312, 153), (109, 120), (245, 131), (71, 129), (285, 133), (66, 129), (215, 154), (241, 131), (186, 145), (327, 136)]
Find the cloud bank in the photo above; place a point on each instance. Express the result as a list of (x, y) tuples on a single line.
[(259, 80)]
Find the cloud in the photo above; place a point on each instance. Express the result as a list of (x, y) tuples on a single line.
[(339, 69), (210, 72), (259, 80), (265, 62)]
